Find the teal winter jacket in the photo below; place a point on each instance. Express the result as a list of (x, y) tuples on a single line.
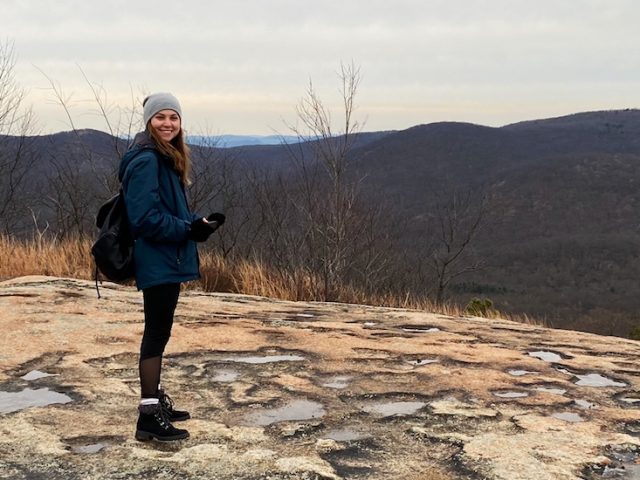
[(159, 216)]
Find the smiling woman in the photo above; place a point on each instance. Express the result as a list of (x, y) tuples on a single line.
[(154, 173)]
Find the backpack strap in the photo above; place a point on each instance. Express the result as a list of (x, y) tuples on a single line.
[(96, 277)]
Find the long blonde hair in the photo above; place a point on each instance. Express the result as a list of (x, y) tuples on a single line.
[(177, 150)]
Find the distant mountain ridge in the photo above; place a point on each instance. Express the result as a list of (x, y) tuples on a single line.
[(230, 141), (567, 245)]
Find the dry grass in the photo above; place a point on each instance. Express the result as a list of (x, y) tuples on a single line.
[(58, 258), (72, 258)]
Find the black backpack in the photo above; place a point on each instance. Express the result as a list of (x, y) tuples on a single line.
[(113, 248)]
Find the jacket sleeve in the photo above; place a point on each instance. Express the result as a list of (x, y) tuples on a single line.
[(142, 196)]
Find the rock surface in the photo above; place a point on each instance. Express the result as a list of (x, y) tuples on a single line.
[(289, 390)]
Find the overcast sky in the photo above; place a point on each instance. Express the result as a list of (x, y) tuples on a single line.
[(241, 66)]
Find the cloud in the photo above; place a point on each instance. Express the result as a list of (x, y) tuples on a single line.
[(253, 52)]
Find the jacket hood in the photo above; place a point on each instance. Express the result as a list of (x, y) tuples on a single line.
[(140, 142)]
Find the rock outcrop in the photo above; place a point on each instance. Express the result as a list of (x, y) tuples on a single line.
[(290, 390)]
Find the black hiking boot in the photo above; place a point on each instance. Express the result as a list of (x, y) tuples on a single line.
[(153, 423), (167, 405)]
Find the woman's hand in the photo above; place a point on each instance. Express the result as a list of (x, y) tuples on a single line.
[(201, 229)]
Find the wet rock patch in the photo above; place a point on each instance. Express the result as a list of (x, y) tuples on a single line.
[(520, 372), (345, 434), (598, 381), (338, 382), (552, 390), (262, 359), (225, 376), (389, 408), (36, 375), (419, 328), (293, 411), (29, 398), (546, 355), (510, 394), (569, 417)]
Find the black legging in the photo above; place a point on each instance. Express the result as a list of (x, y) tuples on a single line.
[(159, 306)]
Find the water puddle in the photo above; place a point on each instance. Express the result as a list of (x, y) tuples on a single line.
[(420, 330), (625, 465), (295, 410), (390, 409), (546, 356), (345, 435), (95, 448), (36, 374), (597, 380), (305, 315), (422, 361), (264, 359), (27, 398), (568, 417), (625, 472), (630, 400), (226, 376), (554, 391), (338, 382), (520, 373), (369, 324), (511, 394)]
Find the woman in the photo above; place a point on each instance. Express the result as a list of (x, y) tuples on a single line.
[(154, 173)]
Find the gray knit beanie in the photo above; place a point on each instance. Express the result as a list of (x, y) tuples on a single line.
[(160, 101)]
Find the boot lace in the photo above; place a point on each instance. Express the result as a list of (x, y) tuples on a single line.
[(166, 402), (162, 416)]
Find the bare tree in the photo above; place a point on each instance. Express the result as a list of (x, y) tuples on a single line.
[(16, 141), (455, 222), (325, 227), (81, 174)]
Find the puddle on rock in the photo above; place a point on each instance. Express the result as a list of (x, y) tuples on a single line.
[(568, 417), (305, 315), (226, 376), (624, 465), (345, 435), (630, 400), (390, 409), (95, 448), (624, 472), (554, 391), (369, 324), (546, 356), (264, 359), (507, 394), (597, 380), (422, 361), (27, 398), (339, 382), (36, 375), (295, 410), (420, 330), (520, 373)]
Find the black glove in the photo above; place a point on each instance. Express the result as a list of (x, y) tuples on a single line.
[(218, 218), (201, 230)]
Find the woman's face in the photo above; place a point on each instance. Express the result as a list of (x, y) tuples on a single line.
[(166, 123)]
